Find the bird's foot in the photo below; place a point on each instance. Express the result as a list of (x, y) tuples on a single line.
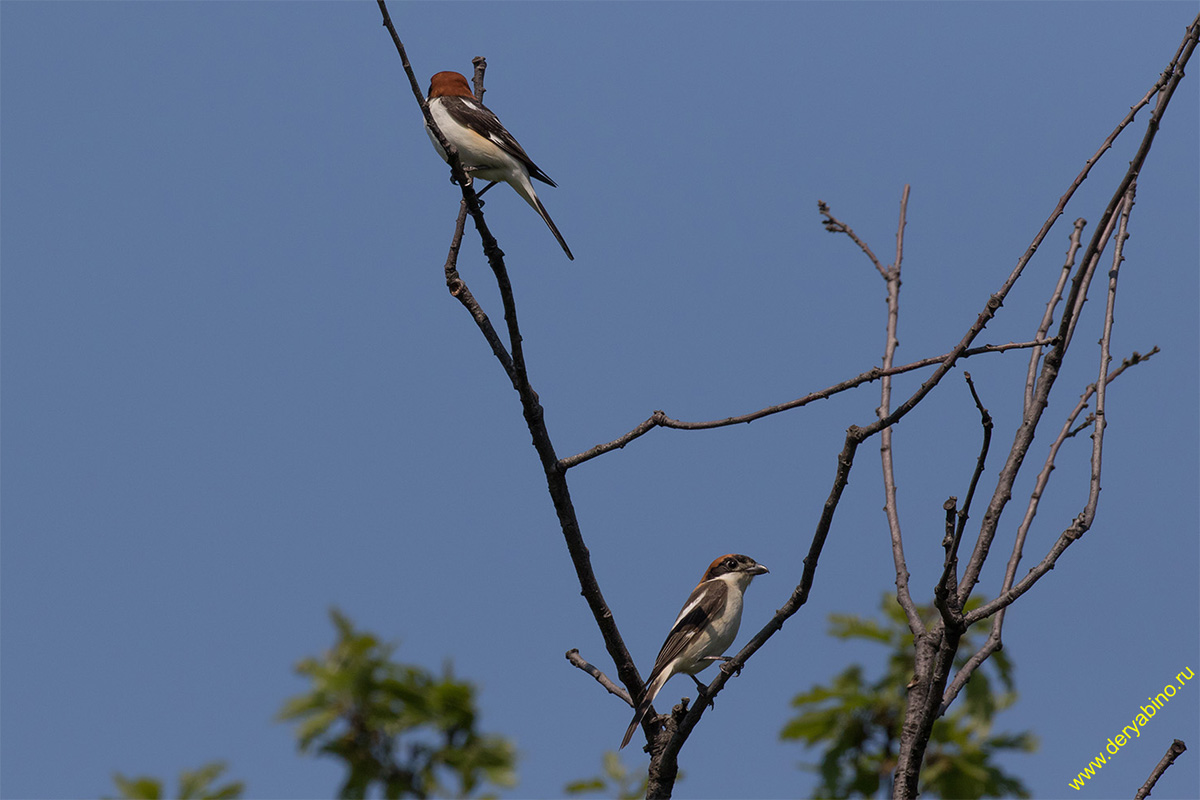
[(726, 659), (703, 690)]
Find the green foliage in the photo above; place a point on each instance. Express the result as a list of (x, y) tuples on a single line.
[(361, 704), (193, 785), (856, 723), (617, 781)]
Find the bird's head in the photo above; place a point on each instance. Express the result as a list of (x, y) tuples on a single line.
[(744, 568), (449, 84)]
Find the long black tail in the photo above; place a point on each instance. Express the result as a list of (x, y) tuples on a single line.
[(642, 708), (541, 209)]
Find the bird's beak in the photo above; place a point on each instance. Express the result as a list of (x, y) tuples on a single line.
[(759, 569)]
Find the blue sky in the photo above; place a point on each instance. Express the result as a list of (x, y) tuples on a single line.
[(236, 392)]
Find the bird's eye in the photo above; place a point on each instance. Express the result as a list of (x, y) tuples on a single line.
[(729, 562)]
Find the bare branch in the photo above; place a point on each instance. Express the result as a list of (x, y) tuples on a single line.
[(480, 64), (985, 421), (1081, 427), (1048, 317), (890, 509), (660, 420), (946, 585), (1083, 521), (1101, 422), (1066, 432), (945, 591), (576, 659), (461, 292), (1173, 752), (1050, 367), (1169, 78), (834, 225), (416, 89)]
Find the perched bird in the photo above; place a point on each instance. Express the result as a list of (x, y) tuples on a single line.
[(705, 628), (485, 148)]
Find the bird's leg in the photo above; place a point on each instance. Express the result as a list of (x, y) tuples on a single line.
[(470, 181), (703, 690)]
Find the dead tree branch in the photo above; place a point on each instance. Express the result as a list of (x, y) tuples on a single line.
[(578, 661), (1173, 752), (891, 276), (660, 420)]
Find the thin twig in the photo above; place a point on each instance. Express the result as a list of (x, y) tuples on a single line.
[(945, 591), (890, 509), (1100, 422), (985, 421), (576, 659), (480, 64), (659, 419), (1048, 317), (1173, 752), (461, 292), (834, 225), (949, 580)]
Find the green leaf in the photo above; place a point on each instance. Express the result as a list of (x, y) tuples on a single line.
[(584, 786), (400, 730), (141, 788), (194, 784)]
